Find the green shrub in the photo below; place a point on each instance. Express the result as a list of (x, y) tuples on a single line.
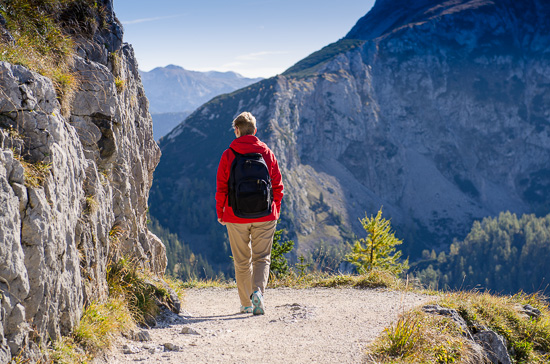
[(377, 250), (279, 264)]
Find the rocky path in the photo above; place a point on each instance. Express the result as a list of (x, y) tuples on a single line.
[(300, 326)]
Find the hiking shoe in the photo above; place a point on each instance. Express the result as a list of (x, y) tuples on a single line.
[(258, 303), (246, 309)]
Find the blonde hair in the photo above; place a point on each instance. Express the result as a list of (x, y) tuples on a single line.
[(246, 123)]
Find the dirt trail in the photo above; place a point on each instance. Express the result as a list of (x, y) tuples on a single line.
[(318, 325)]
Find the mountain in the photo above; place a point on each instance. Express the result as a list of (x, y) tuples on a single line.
[(174, 92), (175, 89), (504, 254), (164, 122), (435, 110)]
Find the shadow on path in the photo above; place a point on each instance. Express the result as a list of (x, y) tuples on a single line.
[(234, 316)]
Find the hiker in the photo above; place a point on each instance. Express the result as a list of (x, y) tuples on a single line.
[(248, 204)]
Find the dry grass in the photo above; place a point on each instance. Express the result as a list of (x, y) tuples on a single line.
[(66, 351), (116, 233), (91, 204), (101, 323), (120, 84), (372, 279), (35, 173), (419, 337), (176, 285), (133, 299), (135, 287), (43, 34), (208, 283)]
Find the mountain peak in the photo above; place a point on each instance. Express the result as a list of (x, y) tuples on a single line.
[(174, 67), (175, 89), (389, 15)]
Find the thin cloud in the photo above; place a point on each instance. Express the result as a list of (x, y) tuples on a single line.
[(233, 65), (145, 20), (258, 55)]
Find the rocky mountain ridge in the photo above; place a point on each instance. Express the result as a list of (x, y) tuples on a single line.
[(175, 89), (436, 111), (174, 92), (94, 166)]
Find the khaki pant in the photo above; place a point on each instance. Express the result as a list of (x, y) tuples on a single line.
[(251, 247)]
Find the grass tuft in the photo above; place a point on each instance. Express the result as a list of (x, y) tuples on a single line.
[(373, 279), (134, 299), (43, 34), (177, 285), (208, 283), (134, 287), (403, 336), (419, 337), (102, 322), (120, 84), (91, 204), (66, 351), (35, 173)]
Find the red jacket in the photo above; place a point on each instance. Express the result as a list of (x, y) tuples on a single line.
[(247, 144)]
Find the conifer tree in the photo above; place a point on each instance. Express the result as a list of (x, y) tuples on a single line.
[(279, 264), (377, 250)]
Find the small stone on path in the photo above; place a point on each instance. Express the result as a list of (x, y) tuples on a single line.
[(189, 331)]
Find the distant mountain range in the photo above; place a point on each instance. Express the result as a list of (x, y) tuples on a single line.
[(174, 92), (437, 110), (164, 122)]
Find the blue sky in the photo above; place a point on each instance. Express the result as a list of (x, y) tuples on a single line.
[(256, 38)]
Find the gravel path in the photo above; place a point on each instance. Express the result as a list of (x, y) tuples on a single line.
[(321, 325)]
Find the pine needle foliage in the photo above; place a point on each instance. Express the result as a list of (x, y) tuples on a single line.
[(279, 264), (378, 249)]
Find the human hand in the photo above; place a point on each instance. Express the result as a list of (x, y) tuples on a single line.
[(221, 222)]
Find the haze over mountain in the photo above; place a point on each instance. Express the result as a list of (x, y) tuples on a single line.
[(175, 89), (174, 92), (436, 110)]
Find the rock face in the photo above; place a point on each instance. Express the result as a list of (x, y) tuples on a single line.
[(491, 346), (87, 201), (435, 110)]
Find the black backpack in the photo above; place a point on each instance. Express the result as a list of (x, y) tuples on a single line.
[(250, 192)]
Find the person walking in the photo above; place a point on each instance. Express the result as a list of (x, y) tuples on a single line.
[(249, 190)]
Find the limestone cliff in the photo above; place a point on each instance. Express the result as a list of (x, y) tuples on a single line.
[(437, 110), (72, 185)]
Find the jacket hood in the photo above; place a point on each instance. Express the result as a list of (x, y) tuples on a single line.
[(248, 144)]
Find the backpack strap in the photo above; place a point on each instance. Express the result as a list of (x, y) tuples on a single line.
[(231, 182), (236, 154)]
